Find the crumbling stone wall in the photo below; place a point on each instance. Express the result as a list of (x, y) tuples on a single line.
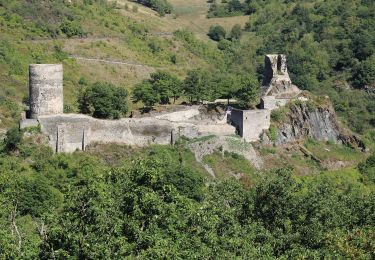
[(251, 123), (46, 89), (70, 132)]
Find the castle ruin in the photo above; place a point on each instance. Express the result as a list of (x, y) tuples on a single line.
[(71, 132), (277, 91)]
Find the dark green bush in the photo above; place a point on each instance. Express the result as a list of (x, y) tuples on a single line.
[(13, 139), (103, 100)]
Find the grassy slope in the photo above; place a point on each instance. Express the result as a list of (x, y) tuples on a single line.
[(111, 36)]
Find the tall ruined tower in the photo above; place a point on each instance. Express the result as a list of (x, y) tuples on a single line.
[(45, 89), (276, 81)]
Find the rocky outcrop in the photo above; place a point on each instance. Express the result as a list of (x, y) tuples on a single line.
[(319, 123)]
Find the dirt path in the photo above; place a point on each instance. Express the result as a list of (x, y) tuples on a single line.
[(115, 62)]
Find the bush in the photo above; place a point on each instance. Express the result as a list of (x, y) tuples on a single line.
[(103, 100), (163, 7), (217, 33), (13, 139), (367, 168), (71, 29)]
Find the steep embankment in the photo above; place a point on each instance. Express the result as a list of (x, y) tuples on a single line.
[(311, 120)]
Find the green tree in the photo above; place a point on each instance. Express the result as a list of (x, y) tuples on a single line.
[(217, 32), (166, 85), (103, 100), (146, 93), (235, 33), (248, 91), (364, 74), (367, 168), (197, 85), (158, 89)]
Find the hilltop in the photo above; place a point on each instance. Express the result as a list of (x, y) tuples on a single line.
[(223, 152)]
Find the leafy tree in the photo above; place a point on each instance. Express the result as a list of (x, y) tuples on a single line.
[(146, 93), (158, 89), (103, 100), (248, 91), (235, 33), (217, 32), (367, 168), (364, 74), (166, 85), (197, 85), (163, 7)]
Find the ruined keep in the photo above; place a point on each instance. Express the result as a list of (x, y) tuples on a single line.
[(277, 87), (46, 90), (277, 90)]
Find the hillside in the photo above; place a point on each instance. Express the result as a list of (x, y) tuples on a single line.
[(305, 189)]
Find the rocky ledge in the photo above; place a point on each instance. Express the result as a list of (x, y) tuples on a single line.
[(319, 123)]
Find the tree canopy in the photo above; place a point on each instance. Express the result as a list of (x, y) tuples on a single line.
[(103, 100)]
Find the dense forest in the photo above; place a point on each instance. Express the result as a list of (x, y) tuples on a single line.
[(158, 202), (153, 203)]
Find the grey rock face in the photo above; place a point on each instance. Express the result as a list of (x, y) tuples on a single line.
[(320, 124)]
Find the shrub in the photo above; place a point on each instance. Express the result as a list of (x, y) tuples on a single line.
[(12, 139), (103, 100), (367, 168), (163, 7), (216, 33)]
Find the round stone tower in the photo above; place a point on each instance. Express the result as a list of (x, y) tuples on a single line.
[(46, 89)]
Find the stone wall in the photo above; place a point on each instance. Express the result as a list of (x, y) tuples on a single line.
[(70, 132), (271, 102), (250, 123), (45, 89)]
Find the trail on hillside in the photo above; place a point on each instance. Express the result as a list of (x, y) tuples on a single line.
[(115, 62)]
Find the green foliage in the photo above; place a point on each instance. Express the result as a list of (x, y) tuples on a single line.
[(367, 169), (157, 205), (197, 85), (272, 133), (158, 89), (146, 93), (248, 92), (103, 100), (278, 115), (217, 32), (364, 74), (235, 33), (163, 7), (71, 29), (13, 139), (229, 8)]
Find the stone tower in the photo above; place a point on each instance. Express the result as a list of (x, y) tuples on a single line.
[(276, 81), (45, 89)]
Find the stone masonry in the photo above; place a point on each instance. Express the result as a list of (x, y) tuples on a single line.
[(70, 132), (46, 89), (277, 91)]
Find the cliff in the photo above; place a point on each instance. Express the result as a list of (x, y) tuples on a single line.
[(316, 121)]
